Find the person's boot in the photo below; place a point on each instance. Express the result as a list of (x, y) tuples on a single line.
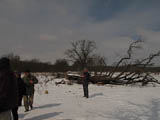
[(31, 106)]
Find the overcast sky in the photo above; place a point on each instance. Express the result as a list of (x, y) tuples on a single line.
[(43, 29)]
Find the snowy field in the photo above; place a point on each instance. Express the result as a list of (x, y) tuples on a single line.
[(66, 102)]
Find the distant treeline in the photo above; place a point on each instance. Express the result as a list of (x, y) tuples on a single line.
[(61, 65), (35, 65), (31, 65), (119, 69)]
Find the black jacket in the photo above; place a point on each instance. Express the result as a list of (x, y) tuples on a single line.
[(8, 91), (21, 90), (86, 78), (21, 87)]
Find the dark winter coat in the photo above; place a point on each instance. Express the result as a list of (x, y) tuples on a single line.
[(86, 78), (30, 86), (21, 90), (8, 91), (21, 87)]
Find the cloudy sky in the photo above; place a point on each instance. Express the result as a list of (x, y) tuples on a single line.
[(43, 29)]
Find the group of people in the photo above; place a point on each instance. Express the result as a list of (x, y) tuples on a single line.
[(13, 89)]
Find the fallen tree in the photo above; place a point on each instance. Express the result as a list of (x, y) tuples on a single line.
[(132, 71), (127, 70)]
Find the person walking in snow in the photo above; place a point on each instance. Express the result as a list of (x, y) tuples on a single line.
[(8, 90), (29, 81), (86, 78), (21, 93)]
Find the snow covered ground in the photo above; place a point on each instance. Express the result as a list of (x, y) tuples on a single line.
[(66, 102)]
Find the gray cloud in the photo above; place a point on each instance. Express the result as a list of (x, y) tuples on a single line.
[(43, 29)]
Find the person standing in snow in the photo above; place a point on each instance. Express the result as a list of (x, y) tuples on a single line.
[(86, 78), (8, 90), (21, 93), (29, 81)]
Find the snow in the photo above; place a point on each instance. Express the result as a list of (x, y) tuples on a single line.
[(66, 102)]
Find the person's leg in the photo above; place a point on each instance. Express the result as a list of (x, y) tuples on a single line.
[(6, 115), (84, 90), (15, 113), (31, 97), (20, 100), (26, 103)]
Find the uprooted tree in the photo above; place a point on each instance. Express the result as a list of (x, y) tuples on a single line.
[(131, 70)]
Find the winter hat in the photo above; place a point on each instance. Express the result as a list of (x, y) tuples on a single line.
[(4, 63)]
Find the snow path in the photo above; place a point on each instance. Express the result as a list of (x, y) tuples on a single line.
[(65, 102)]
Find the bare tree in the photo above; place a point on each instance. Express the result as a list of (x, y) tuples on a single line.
[(81, 51), (132, 71)]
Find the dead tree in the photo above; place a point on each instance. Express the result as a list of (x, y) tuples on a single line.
[(132, 71)]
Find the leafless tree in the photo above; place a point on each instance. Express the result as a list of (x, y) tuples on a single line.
[(81, 51), (132, 71)]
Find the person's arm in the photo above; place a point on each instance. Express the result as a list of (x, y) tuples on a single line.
[(34, 80)]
